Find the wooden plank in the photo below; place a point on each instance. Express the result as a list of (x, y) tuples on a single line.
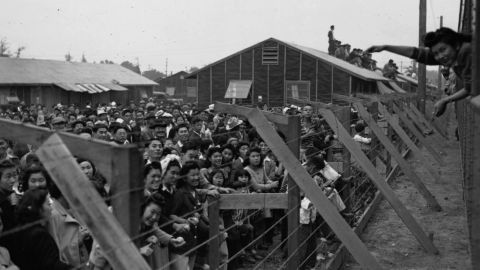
[(293, 219), (347, 98), (126, 188), (419, 136), (273, 117), (326, 209), (339, 257), (408, 142), (214, 244), (88, 206), (430, 125), (253, 201), (416, 121), (406, 168), (380, 183), (95, 150)]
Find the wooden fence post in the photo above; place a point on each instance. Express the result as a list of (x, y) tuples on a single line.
[(214, 244), (127, 188), (293, 142), (89, 206)]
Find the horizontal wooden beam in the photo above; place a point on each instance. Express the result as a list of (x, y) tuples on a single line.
[(88, 206), (237, 110), (347, 98), (253, 201), (99, 152)]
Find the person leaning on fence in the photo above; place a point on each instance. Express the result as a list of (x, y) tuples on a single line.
[(34, 247), (154, 242), (187, 210), (72, 238), (443, 47)]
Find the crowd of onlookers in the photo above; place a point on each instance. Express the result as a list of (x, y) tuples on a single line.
[(189, 155), (342, 51)]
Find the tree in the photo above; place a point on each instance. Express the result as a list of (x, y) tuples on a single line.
[(132, 67), (193, 69), (19, 51), (68, 57), (4, 48), (84, 60), (153, 74), (106, 61)]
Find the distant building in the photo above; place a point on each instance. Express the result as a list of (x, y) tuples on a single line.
[(50, 82), (278, 71), (176, 86)]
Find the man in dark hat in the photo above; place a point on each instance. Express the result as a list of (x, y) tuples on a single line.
[(159, 129)]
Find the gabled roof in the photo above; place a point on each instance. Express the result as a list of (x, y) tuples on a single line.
[(353, 70), (180, 73), (33, 71)]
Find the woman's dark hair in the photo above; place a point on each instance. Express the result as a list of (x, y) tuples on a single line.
[(155, 198), (241, 172), (186, 168), (445, 35), (6, 164), (30, 207), (246, 162), (32, 170), (152, 166), (359, 127), (318, 162), (80, 160), (240, 144), (210, 153), (215, 171), (231, 148)]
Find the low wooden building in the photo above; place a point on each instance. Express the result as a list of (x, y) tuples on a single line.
[(176, 86), (278, 71), (50, 82)]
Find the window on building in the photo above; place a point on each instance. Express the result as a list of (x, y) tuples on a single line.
[(270, 55), (170, 90), (191, 91), (297, 90)]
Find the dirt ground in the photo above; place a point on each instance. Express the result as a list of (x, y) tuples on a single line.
[(389, 240)]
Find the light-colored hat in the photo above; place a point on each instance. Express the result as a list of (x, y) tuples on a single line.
[(233, 122), (58, 120)]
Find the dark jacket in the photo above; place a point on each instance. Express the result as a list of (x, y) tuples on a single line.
[(7, 214), (35, 249)]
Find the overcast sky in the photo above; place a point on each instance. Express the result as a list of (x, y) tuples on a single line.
[(199, 32)]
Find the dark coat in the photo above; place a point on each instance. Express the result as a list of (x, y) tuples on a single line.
[(35, 249)]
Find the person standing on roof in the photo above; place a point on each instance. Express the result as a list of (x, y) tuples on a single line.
[(331, 40)]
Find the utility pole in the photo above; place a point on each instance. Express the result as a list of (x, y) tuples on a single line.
[(422, 69), (166, 67), (440, 68)]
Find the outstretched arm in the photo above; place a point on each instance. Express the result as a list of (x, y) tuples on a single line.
[(400, 50)]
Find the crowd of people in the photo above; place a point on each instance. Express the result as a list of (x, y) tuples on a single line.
[(356, 57), (189, 155)]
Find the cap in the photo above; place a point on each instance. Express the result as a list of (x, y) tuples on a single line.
[(58, 120)]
